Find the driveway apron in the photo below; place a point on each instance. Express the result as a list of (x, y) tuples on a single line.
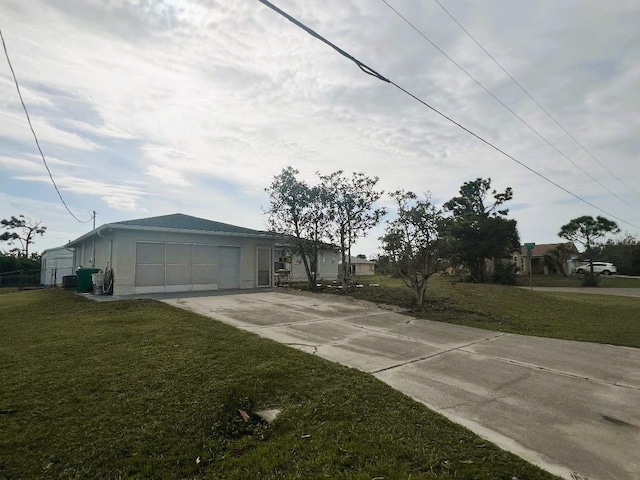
[(572, 408)]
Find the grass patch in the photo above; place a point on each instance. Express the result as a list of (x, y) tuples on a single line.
[(138, 389), (605, 281), (590, 318)]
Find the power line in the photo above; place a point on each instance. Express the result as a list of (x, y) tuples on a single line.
[(548, 142), (6, 53), (372, 72), (524, 90)]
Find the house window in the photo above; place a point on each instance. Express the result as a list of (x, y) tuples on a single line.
[(515, 259)]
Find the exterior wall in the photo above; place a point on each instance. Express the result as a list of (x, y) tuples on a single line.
[(84, 253), (364, 269), (54, 265), (538, 266), (327, 266), (124, 253)]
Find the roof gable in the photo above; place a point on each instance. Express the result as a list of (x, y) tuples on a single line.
[(181, 221)]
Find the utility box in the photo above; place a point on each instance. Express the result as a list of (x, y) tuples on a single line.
[(69, 281), (85, 283)]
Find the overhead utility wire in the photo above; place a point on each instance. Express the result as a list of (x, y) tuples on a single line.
[(372, 72), (524, 90), (423, 35), (4, 45)]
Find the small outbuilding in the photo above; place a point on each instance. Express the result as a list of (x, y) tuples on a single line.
[(55, 263), (177, 253), (361, 267)]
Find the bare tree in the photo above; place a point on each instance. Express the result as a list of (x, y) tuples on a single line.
[(23, 230)]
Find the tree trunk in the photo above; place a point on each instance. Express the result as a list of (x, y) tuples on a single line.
[(422, 290)]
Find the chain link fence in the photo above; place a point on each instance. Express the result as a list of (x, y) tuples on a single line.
[(20, 278)]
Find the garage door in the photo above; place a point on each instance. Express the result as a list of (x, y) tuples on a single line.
[(178, 267), (229, 267)]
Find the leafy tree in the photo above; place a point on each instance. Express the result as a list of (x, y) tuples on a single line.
[(624, 252), (587, 230), (557, 258), (477, 230), (300, 212), (383, 265), (362, 256), (351, 211), (412, 241), (23, 230)]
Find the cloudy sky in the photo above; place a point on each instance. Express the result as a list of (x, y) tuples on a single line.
[(147, 108)]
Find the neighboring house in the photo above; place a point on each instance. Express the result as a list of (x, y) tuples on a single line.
[(290, 267), (538, 264), (175, 253), (55, 263), (361, 267)]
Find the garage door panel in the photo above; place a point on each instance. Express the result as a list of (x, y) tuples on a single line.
[(205, 254), (150, 275), (182, 267), (178, 274), (178, 254), (205, 274), (150, 253), (229, 267)]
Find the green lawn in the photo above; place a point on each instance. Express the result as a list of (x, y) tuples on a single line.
[(592, 318), (138, 389), (576, 281)]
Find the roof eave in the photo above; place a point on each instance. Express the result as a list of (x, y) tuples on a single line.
[(116, 226)]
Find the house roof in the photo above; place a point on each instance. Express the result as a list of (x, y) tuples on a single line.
[(62, 249), (177, 222), (181, 221), (358, 260), (542, 249)]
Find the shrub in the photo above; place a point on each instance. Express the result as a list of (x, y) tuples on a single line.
[(504, 274)]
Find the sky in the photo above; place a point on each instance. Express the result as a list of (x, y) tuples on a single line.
[(146, 108)]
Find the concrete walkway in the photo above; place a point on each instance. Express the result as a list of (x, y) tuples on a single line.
[(572, 408)]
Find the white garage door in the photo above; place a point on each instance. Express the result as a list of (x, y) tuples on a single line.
[(178, 267), (229, 267)]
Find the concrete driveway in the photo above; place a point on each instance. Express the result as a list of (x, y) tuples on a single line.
[(572, 408)]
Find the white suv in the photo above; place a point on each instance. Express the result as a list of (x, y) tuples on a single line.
[(605, 268)]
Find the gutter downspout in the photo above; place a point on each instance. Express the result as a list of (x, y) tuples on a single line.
[(110, 264)]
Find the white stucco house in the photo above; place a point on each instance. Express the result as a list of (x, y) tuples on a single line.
[(55, 263), (177, 253)]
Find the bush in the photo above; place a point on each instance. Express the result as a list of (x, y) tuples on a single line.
[(590, 280), (504, 274)]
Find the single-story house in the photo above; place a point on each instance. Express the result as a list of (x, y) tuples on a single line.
[(55, 263), (361, 267), (176, 253), (538, 263)]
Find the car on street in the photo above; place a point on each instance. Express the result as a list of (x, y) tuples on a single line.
[(605, 268)]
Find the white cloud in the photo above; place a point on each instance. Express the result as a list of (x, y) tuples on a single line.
[(145, 108)]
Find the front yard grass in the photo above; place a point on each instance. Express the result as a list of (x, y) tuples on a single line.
[(138, 389), (590, 318), (605, 281)]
